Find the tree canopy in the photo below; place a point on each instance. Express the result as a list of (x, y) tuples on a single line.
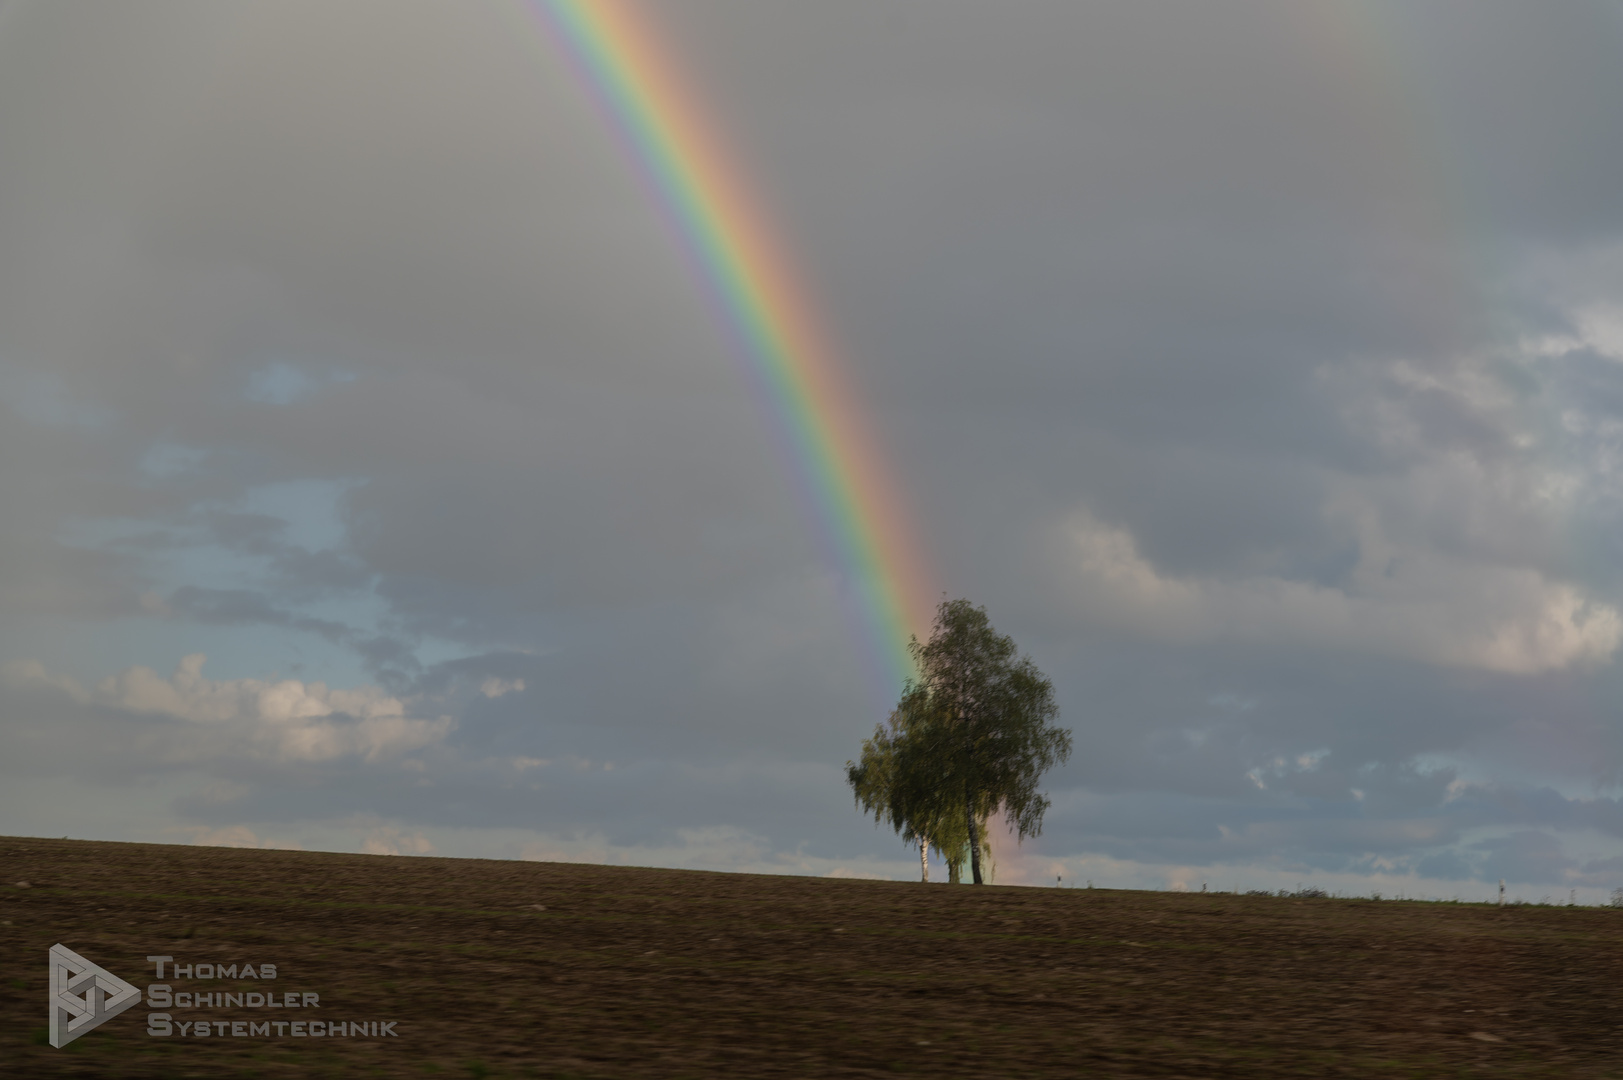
[(971, 736), (894, 784)]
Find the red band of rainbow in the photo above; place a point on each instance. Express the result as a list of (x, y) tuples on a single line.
[(801, 375)]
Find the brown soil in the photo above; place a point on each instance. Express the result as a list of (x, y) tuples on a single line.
[(542, 969)]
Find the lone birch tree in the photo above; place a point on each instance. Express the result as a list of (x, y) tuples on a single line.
[(994, 711), (971, 736)]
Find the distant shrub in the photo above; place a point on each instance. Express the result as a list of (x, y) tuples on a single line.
[(1617, 899), (1265, 892)]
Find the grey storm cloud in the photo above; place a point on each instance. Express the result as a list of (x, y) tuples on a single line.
[(1258, 365)]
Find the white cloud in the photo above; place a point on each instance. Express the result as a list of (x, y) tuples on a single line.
[(1599, 328), (495, 688), (282, 720), (386, 840), (1402, 601), (237, 836)]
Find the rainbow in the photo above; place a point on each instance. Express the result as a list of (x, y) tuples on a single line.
[(801, 376)]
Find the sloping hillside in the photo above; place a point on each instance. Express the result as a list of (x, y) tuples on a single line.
[(539, 969)]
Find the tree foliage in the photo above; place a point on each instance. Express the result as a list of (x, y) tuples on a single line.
[(971, 736), (892, 782)]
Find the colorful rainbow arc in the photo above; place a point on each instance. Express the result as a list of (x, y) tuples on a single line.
[(800, 374)]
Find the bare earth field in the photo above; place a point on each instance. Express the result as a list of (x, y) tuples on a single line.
[(541, 969)]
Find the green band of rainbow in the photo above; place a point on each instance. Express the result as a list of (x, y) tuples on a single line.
[(801, 375)]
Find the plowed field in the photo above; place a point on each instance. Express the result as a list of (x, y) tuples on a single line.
[(540, 969)]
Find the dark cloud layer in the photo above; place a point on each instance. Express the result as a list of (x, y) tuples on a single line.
[(1258, 365)]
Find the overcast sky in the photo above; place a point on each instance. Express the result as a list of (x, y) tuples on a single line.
[(376, 475)]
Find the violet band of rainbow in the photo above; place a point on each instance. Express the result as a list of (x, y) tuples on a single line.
[(801, 377)]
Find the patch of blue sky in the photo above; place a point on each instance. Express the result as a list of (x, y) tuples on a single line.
[(106, 532), (312, 509), (45, 398), (435, 650), (256, 650), (283, 383), (279, 384), (1583, 845), (205, 565), (431, 650), (89, 652), (1504, 771), (267, 652), (163, 461)]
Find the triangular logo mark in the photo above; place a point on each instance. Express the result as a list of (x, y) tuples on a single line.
[(83, 995)]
